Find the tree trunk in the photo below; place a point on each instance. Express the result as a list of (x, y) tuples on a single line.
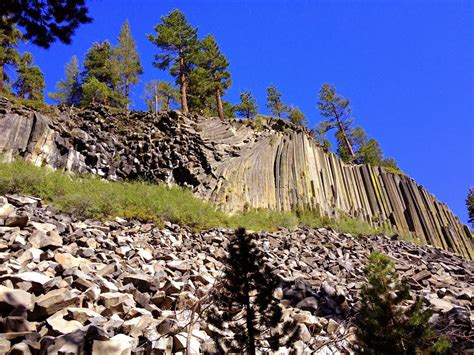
[(156, 99), (344, 135), (346, 140), (220, 108), (127, 92), (182, 78), (168, 102)]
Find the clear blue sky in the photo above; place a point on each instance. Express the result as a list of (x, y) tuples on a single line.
[(407, 67)]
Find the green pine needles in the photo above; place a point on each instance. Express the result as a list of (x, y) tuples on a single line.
[(248, 105), (470, 205), (386, 325), (29, 83)]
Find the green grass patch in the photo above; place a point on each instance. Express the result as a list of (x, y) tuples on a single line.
[(91, 197), (267, 220)]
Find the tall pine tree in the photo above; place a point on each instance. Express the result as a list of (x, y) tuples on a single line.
[(274, 101), (247, 106), (244, 302), (9, 55), (100, 63), (177, 40), (129, 65), (338, 113), (30, 80), (200, 95), (214, 67), (69, 90)]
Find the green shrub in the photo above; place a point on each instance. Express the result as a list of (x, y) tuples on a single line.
[(92, 197), (385, 324)]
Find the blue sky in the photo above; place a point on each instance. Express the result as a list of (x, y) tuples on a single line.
[(407, 67)]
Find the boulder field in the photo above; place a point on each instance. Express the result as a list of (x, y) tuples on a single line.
[(70, 286)]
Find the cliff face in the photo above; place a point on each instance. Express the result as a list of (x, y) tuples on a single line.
[(234, 165)]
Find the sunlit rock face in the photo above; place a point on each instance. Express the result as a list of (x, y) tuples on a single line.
[(285, 170), (236, 165)]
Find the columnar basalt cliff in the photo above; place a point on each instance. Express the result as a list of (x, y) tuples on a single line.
[(236, 165)]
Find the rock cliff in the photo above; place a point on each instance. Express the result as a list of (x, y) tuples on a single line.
[(237, 165)]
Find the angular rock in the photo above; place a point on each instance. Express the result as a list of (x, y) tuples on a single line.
[(52, 302), (40, 239), (308, 304), (11, 299), (16, 221), (62, 326), (119, 344)]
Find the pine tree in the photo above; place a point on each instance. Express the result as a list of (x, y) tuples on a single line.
[(129, 65), (160, 95), (69, 90), (216, 76), (229, 108), (338, 114), (244, 303), (320, 136), (470, 205), (95, 92), (247, 106), (370, 153), (297, 117), (366, 151), (9, 55), (384, 325), (178, 42), (274, 102), (30, 80), (200, 94), (44, 21), (101, 64)]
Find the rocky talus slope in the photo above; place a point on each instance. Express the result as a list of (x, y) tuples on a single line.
[(235, 164), (71, 286)]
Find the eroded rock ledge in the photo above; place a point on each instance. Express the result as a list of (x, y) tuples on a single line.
[(73, 286), (232, 164)]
